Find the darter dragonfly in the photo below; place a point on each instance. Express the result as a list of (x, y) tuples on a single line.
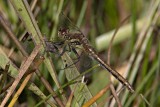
[(71, 36)]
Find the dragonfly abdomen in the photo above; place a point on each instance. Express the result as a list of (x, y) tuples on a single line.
[(95, 56)]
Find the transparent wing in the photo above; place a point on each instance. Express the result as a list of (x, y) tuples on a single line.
[(65, 22)]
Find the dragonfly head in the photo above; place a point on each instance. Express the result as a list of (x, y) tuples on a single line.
[(62, 33)]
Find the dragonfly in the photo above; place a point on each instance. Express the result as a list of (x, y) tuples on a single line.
[(71, 36)]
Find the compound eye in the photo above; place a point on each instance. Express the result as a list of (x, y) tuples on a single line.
[(63, 31)]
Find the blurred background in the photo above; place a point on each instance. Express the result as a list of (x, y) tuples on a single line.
[(134, 51)]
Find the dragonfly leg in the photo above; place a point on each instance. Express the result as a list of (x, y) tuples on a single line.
[(77, 59), (70, 48), (63, 51), (76, 53), (51, 47)]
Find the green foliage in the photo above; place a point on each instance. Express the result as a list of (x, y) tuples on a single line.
[(136, 43)]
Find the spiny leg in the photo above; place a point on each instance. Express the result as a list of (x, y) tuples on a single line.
[(51, 47), (77, 59)]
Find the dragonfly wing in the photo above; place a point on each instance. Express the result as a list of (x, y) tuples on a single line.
[(65, 22)]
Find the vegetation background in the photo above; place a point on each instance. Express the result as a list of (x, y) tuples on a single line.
[(30, 76)]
